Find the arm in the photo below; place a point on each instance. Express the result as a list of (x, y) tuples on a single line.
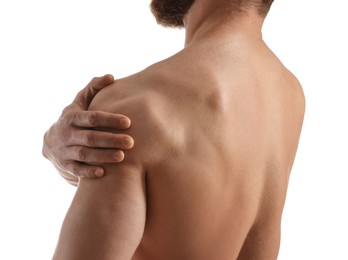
[(71, 143), (107, 217)]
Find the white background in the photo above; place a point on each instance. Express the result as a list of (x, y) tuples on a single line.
[(51, 49)]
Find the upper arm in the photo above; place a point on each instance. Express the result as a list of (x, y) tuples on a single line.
[(107, 217)]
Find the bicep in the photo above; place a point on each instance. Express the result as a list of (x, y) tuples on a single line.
[(107, 217)]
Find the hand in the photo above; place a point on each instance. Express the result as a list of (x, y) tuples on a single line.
[(71, 143)]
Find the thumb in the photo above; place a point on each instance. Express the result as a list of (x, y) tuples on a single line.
[(86, 95)]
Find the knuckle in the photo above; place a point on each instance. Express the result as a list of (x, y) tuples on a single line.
[(92, 118), (64, 119), (117, 142), (73, 169), (64, 138), (62, 135), (64, 132), (94, 81), (81, 154), (68, 118), (91, 81), (89, 139), (67, 109), (89, 174)]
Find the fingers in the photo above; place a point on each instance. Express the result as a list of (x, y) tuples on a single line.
[(85, 96), (96, 139), (94, 156), (98, 83), (94, 119), (84, 171)]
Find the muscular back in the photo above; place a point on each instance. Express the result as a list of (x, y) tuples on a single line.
[(216, 133)]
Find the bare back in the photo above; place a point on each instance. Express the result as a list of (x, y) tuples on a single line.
[(216, 133)]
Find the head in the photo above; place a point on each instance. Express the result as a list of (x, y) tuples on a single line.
[(171, 13)]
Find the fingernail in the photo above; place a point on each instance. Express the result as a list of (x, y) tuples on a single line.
[(118, 156), (128, 142), (125, 122), (99, 173)]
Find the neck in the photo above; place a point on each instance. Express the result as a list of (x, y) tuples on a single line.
[(220, 20)]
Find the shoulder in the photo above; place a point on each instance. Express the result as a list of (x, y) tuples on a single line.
[(289, 87), (139, 97), (297, 92)]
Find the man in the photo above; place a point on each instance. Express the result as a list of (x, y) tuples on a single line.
[(216, 129)]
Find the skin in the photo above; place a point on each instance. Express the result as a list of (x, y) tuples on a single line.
[(72, 144), (213, 185)]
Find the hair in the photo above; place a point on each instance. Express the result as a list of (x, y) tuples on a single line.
[(264, 7), (170, 13)]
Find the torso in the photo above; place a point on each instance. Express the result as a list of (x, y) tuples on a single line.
[(218, 153)]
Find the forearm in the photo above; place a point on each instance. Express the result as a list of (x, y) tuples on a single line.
[(106, 219)]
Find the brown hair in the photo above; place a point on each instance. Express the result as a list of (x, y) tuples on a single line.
[(264, 7), (170, 13)]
